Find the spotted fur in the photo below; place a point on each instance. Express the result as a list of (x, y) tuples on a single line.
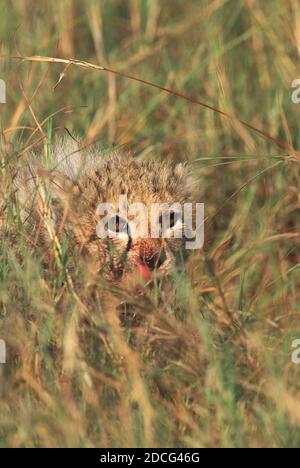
[(78, 180)]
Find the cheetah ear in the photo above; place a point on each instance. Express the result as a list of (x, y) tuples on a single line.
[(64, 195), (33, 183), (62, 187), (181, 170)]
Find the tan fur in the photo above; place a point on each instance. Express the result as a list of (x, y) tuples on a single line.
[(79, 180)]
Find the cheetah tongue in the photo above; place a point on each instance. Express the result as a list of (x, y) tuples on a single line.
[(144, 271)]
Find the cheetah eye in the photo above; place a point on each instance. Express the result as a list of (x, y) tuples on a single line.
[(117, 225), (173, 218), (169, 219)]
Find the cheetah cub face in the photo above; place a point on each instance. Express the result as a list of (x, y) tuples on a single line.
[(88, 193)]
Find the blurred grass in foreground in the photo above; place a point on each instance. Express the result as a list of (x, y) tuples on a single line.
[(209, 363)]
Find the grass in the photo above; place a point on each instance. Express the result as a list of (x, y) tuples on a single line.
[(209, 361)]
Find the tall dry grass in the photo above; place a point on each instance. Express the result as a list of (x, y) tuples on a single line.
[(208, 361)]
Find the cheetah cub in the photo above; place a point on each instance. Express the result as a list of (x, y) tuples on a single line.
[(62, 198)]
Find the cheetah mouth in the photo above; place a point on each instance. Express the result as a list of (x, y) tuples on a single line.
[(147, 266), (143, 268)]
